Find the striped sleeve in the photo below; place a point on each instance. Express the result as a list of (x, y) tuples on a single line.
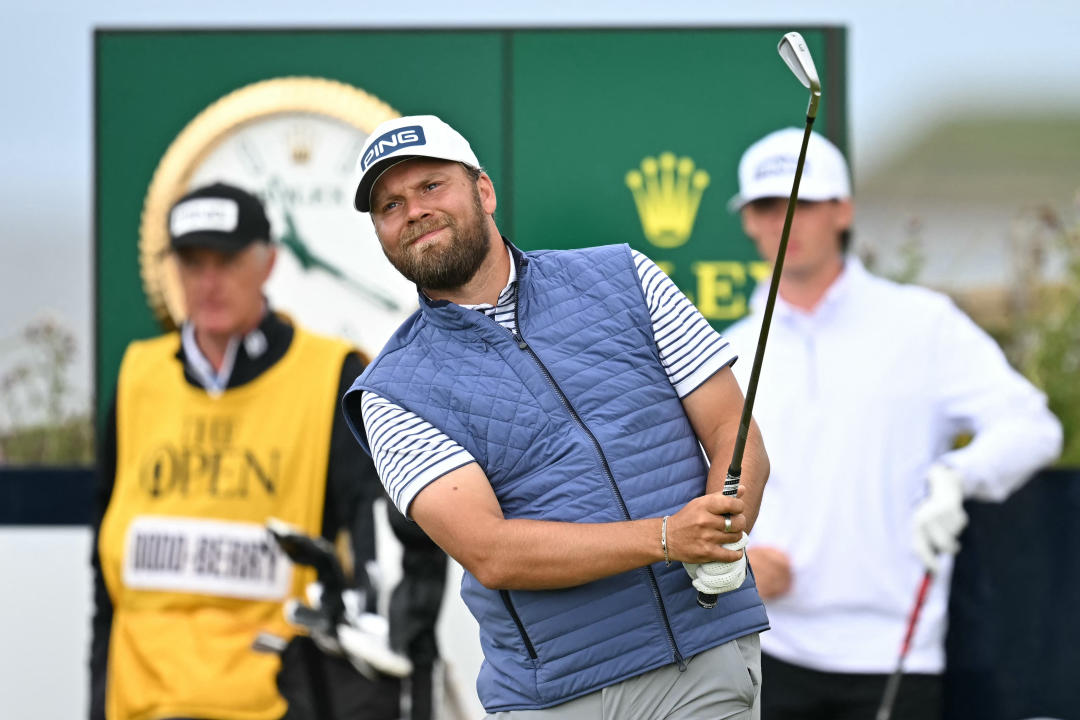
[(690, 349), (408, 451)]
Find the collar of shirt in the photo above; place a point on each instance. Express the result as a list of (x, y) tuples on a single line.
[(852, 274), (251, 346), (506, 297)]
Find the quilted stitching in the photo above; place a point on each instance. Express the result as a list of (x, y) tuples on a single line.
[(583, 315)]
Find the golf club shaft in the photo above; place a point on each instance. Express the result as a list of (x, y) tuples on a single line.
[(892, 687), (734, 473), (735, 468)]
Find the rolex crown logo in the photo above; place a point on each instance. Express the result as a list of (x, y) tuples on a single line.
[(667, 192), (301, 143)]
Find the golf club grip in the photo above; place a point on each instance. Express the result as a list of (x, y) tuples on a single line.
[(731, 488)]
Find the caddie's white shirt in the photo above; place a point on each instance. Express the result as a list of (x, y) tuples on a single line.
[(855, 401)]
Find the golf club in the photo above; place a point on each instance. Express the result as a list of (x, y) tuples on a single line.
[(361, 638), (793, 50), (892, 687), (317, 553)]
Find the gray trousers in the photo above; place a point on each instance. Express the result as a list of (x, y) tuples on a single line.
[(722, 683)]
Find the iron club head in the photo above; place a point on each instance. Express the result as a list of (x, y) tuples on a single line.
[(794, 52)]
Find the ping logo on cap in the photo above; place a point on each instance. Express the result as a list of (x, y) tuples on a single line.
[(391, 142)]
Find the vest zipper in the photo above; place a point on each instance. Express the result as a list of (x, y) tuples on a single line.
[(517, 621), (611, 482)]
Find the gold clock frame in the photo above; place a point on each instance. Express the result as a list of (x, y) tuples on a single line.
[(202, 134)]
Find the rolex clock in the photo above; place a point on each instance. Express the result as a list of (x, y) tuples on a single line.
[(292, 141)]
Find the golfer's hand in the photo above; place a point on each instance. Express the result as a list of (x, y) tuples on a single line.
[(699, 532), (939, 518), (772, 571)]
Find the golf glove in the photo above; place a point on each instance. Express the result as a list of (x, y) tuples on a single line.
[(716, 578), (940, 517)]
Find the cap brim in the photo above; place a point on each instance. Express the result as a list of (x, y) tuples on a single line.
[(211, 241), (362, 199), (738, 202)]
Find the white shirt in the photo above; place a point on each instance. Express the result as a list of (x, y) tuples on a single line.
[(215, 382), (410, 453), (855, 401)]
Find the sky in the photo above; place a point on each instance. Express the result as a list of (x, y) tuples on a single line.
[(909, 66)]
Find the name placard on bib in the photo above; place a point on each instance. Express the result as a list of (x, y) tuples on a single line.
[(210, 557)]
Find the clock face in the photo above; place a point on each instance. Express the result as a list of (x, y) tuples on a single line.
[(331, 275)]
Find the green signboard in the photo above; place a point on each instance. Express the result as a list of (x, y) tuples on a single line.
[(592, 136)]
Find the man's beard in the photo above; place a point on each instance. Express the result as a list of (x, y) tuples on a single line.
[(451, 264)]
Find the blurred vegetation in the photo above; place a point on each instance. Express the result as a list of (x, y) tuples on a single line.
[(1043, 337), (35, 394), (910, 256)]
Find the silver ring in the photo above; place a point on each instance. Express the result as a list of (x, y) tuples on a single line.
[(727, 523)]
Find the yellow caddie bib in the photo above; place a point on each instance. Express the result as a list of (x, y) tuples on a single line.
[(191, 571)]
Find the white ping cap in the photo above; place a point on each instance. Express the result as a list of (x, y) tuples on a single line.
[(401, 139)]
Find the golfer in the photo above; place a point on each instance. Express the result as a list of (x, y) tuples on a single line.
[(543, 418)]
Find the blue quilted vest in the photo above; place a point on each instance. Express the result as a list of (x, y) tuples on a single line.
[(572, 420)]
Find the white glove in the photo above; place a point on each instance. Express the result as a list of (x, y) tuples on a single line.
[(715, 578), (940, 517), (363, 639)]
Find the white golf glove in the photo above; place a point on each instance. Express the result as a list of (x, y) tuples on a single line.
[(716, 578), (940, 517), (363, 639)]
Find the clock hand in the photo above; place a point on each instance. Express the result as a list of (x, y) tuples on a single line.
[(310, 261)]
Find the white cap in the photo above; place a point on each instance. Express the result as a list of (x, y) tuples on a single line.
[(767, 169), (403, 138)]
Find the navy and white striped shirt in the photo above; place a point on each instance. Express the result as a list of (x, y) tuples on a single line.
[(410, 453)]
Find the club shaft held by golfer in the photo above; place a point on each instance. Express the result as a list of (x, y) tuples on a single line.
[(734, 473), (735, 468), (794, 52), (731, 483)]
